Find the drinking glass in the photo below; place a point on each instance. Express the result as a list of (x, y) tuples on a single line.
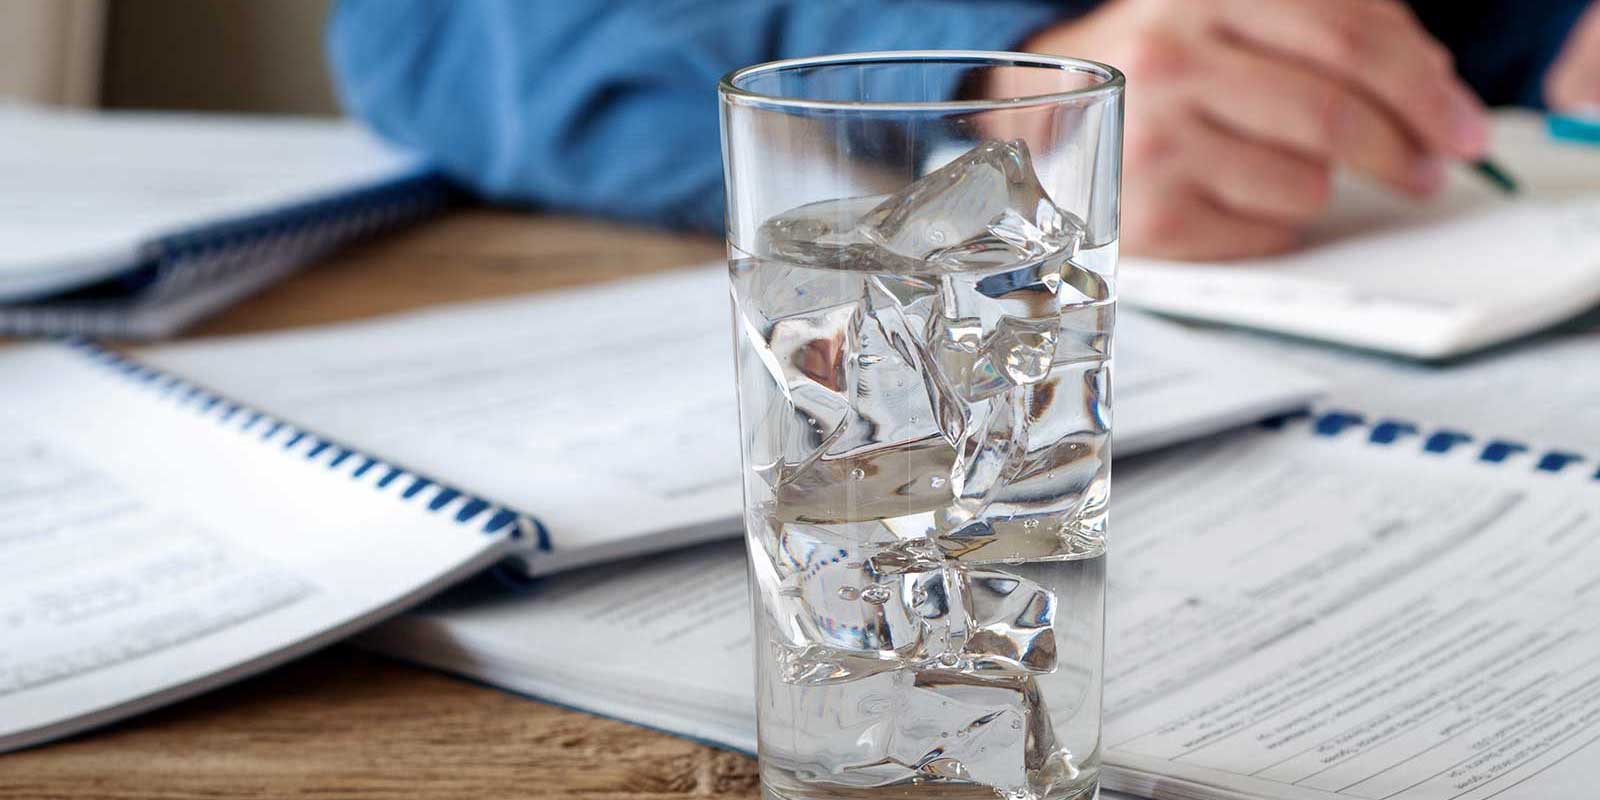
[(922, 251)]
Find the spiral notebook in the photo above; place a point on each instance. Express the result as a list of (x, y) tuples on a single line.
[(133, 225), (573, 405), (157, 540), (1341, 606)]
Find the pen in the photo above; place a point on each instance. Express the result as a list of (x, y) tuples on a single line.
[(1495, 175)]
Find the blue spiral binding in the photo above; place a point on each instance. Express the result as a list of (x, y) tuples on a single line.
[(1389, 431), (438, 498), (177, 262), (268, 244)]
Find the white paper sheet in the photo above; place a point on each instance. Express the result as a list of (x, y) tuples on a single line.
[(1328, 618), (1291, 616), (1431, 280), (573, 406), (149, 551), (1539, 393)]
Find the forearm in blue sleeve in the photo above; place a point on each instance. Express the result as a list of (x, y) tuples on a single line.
[(610, 108)]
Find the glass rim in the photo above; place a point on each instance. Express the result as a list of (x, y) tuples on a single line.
[(1111, 82)]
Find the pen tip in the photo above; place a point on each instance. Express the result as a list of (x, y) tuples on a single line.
[(1496, 175)]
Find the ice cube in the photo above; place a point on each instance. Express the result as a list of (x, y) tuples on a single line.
[(985, 208), (802, 338), (1068, 432), (1059, 479), (844, 734), (1011, 624), (993, 440), (1023, 350), (979, 620), (899, 727), (814, 665), (850, 600), (902, 311), (987, 333), (992, 732), (830, 596), (825, 233), (904, 606), (958, 348), (888, 401), (894, 479)]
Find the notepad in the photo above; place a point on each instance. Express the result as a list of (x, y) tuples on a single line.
[(1428, 281), (608, 412), (157, 540), (1337, 606), (133, 224)]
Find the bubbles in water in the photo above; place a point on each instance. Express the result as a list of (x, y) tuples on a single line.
[(849, 592), (877, 594), (858, 474)]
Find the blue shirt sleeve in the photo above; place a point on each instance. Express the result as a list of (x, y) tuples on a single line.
[(610, 107)]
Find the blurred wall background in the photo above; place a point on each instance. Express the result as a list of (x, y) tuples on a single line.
[(50, 50), (206, 55)]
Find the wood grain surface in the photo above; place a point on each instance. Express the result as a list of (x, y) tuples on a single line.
[(344, 724)]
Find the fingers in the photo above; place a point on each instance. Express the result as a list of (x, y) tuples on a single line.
[(1173, 220), (1238, 110), (1379, 46), (1573, 82), (1253, 178), (1312, 114), (1197, 191)]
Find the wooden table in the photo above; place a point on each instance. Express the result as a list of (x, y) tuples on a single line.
[(346, 724)]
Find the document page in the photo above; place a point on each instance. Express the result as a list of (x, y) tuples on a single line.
[(1290, 616), (151, 549), (572, 406), (662, 641), (1318, 618), (1539, 394)]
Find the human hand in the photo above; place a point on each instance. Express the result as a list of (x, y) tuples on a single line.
[(1238, 110), (1573, 82)]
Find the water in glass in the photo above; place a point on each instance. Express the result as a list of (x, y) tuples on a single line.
[(926, 420)]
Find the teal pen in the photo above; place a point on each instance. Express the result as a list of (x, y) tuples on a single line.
[(1496, 175)]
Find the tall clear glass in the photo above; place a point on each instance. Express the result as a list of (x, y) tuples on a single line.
[(922, 248)]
